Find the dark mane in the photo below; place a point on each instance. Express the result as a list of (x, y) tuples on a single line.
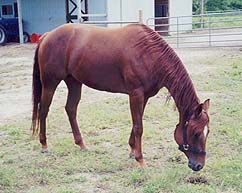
[(172, 72)]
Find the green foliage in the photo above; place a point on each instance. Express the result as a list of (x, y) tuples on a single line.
[(196, 7), (217, 5)]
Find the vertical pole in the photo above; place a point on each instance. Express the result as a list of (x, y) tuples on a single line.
[(79, 9), (86, 8), (121, 11), (209, 31), (67, 12), (140, 16), (177, 32), (202, 13), (20, 23)]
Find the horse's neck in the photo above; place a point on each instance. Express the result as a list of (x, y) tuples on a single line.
[(176, 79)]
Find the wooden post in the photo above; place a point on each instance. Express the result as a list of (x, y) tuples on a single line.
[(20, 23), (140, 16)]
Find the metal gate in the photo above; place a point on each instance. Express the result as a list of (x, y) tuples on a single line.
[(207, 30)]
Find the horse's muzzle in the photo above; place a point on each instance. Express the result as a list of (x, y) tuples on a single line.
[(195, 167)]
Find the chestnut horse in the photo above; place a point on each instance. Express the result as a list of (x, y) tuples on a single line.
[(133, 60)]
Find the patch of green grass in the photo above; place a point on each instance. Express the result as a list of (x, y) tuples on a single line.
[(7, 179), (217, 21)]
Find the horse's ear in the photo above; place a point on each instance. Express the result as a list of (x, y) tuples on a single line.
[(198, 110), (206, 105)]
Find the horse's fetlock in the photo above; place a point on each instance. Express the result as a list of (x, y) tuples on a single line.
[(42, 141), (139, 158)]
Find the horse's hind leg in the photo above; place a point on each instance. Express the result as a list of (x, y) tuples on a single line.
[(74, 96), (46, 98)]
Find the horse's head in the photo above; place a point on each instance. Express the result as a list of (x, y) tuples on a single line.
[(191, 136)]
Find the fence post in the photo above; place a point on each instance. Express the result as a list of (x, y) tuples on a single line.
[(202, 13), (20, 22), (177, 32), (140, 16), (209, 31), (79, 11)]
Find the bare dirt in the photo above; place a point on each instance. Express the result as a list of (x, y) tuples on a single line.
[(15, 82), (16, 78), (16, 63)]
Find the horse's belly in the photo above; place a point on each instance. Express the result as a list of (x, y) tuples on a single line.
[(102, 77)]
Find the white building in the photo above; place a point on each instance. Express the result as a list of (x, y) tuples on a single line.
[(41, 16)]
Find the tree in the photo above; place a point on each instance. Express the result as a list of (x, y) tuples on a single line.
[(235, 4), (217, 5)]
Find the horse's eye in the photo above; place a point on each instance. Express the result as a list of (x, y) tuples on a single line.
[(197, 135)]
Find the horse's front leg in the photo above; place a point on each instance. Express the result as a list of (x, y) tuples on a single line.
[(137, 101), (132, 136)]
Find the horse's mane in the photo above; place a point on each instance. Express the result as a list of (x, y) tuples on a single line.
[(173, 74)]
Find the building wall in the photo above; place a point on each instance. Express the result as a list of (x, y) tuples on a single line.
[(127, 10), (97, 7), (180, 8), (42, 16)]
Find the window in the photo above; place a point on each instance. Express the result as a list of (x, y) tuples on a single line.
[(7, 10)]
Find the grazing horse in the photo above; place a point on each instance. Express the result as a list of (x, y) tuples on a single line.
[(133, 60)]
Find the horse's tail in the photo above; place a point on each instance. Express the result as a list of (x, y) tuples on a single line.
[(36, 93)]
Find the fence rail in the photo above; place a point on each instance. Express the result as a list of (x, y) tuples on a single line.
[(109, 22), (206, 30)]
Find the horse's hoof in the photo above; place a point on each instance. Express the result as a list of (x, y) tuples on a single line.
[(45, 151), (142, 164), (84, 149)]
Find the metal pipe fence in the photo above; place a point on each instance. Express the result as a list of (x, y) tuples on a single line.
[(206, 30), (108, 23)]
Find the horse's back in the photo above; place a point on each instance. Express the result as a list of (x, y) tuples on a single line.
[(97, 57)]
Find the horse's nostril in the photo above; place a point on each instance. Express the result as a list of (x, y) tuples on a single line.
[(198, 167)]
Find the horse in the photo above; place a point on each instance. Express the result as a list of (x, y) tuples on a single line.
[(133, 60)]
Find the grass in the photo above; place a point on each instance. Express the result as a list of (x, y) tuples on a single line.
[(106, 126), (218, 21)]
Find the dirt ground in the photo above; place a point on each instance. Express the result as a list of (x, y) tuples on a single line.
[(16, 78), (106, 123), (16, 63)]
